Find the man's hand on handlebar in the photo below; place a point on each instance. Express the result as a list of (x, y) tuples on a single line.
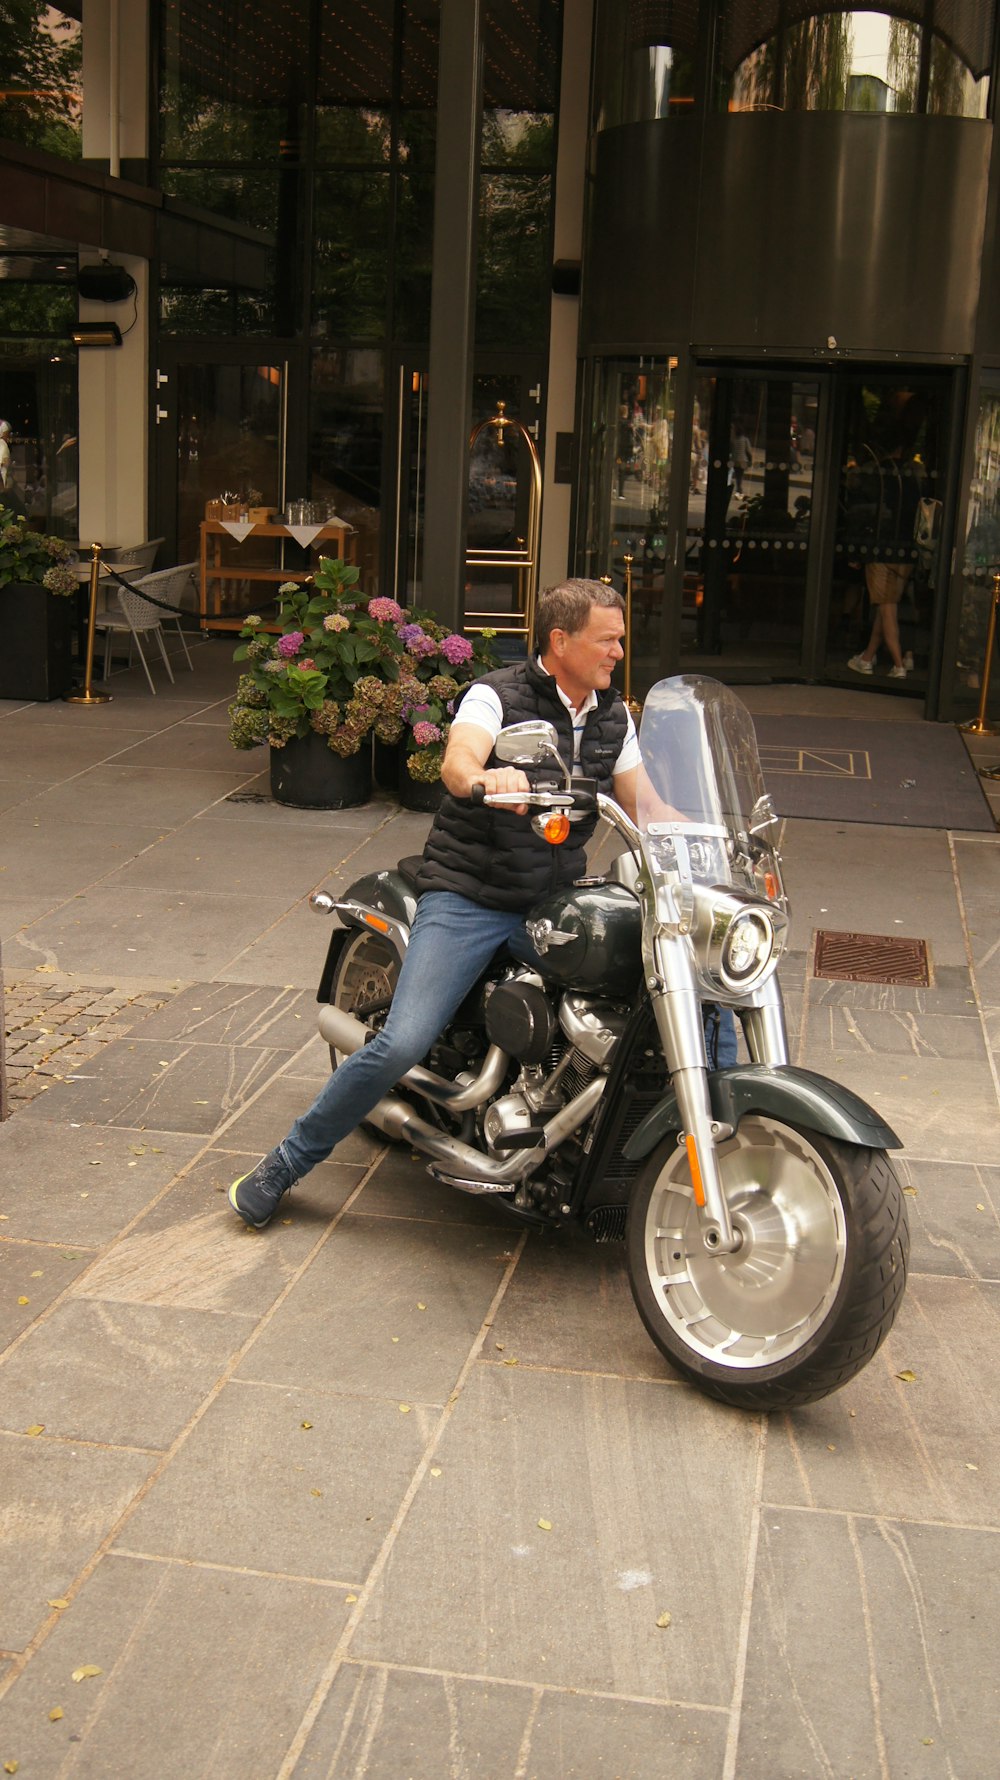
[(503, 778)]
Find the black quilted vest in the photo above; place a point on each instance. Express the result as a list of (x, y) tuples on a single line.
[(494, 857)]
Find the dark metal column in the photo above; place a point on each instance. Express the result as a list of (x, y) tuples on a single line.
[(453, 305)]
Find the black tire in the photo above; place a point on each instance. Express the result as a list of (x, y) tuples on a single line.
[(364, 981), (813, 1290)]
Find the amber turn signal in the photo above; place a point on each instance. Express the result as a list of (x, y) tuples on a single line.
[(556, 829)]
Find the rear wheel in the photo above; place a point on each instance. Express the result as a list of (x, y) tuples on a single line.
[(814, 1287), (364, 982)]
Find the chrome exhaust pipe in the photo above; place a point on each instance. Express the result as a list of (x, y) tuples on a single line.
[(398, 1121)]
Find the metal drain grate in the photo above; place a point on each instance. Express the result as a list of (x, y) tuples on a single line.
[(871, 958)]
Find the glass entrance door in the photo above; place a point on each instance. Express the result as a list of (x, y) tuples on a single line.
[(220, 431), (499, 484), (749, 524), (890, 455)]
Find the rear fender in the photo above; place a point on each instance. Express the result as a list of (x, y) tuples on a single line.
[(798, 1096), (387, 898)]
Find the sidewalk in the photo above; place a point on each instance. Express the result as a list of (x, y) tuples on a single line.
[(393, 1489)]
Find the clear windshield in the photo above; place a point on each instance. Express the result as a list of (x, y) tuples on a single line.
[(701, 782)]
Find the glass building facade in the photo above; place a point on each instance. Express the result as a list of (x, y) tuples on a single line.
[(782, 310)]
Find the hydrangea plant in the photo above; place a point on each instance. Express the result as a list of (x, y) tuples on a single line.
[(346, 667), (30, 556)]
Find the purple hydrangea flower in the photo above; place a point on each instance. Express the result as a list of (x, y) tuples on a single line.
[(290, 644), (409, 634)]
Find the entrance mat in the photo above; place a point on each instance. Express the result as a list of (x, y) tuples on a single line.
[(905, 775)]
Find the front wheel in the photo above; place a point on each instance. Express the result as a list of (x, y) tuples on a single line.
[(813, 1289)]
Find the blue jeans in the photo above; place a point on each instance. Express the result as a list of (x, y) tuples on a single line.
[(451, 942)]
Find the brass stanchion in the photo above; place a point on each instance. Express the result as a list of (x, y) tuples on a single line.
[(87, 697), (633, 703), (979, 725)]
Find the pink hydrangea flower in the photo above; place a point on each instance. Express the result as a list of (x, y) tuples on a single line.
[(291, 644), (425, 733), (307, 663), (386, 610), (456, 649)]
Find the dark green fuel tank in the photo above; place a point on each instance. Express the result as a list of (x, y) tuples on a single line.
[(604, 954)]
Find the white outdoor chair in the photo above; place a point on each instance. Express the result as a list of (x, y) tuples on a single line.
[(132, 616), (170, 586), (134, 556)]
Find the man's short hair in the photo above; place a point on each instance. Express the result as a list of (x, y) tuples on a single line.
[(568, 606)]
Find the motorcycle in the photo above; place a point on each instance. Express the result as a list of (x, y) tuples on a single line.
[(764, 1224)]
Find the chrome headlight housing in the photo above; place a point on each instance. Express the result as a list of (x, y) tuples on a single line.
[(738, 940)]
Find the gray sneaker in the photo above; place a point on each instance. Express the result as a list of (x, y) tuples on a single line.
[(257, 1195)]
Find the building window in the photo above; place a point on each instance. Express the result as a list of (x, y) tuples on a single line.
[(779, 55), (41, 79), (981, 557), (644, 58)]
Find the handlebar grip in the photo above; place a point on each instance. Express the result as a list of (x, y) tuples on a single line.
[(478, 793)]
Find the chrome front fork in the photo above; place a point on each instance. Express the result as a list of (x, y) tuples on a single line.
[(678, 1010)]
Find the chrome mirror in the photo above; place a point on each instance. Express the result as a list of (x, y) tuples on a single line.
[(525, 744)]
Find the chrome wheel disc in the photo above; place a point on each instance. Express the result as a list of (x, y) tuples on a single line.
[(763, 1303), (366, 978)]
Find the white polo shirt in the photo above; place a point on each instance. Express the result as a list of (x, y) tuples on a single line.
[(482, 707)]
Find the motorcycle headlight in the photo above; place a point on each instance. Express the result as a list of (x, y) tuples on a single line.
[(746, 950), (737, 939)]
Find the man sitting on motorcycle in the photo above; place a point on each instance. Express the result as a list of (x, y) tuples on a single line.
[(483, 868)]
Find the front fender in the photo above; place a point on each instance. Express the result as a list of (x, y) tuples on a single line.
[(384, 893), (797, 1095)]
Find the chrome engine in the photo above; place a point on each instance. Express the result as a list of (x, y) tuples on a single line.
[(561, 1043)]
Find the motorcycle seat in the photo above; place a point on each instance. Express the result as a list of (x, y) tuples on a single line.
[(408, 868)]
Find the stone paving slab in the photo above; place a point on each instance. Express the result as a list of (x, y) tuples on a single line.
[(400, 1187), (954, 1212), (202, 1672), (164, 1083), (36, 857), (909, 891), (390, 1305), (912, 1614), (68, 1372), (253, 1485), (191, 1252), (848, 1560), (920, 1448), (386, 1722), (475, 1586), (60, 1501), (197, 858), (569, 1306), (32, 1274), (113, 930), (202, 747), (127, 794), (918, 1096), (220, 1013), (81, 1185)]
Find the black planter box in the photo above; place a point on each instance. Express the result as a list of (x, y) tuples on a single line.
[(308, 775), (36, 655)]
